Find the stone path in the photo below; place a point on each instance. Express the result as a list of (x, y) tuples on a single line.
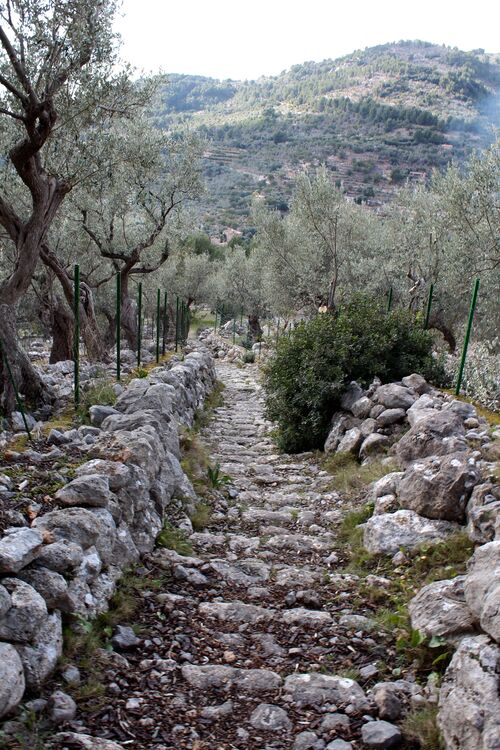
[(251, 645)]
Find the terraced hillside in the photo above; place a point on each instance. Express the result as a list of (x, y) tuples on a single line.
[(377, 118)]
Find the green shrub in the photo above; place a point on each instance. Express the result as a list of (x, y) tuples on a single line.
[(249, 358), (306, 377)]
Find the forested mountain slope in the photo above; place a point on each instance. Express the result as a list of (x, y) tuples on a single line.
[(377, 118)]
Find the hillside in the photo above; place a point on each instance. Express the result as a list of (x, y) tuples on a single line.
[(377, 118)]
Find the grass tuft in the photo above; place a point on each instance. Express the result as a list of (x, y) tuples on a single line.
[(100, 393), (172, 538), (201, 516), (421, 726), (349, 477)]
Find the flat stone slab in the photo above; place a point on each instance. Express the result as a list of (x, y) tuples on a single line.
[(330, 689), (306, 617), (236, 612), (222, 677)]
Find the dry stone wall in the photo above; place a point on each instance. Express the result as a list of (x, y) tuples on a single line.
[(447, 455), (109, 515)]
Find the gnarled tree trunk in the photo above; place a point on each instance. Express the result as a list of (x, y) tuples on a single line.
[(437, 321), (62, 332), (26, 378), (92, 338), (254, 327)]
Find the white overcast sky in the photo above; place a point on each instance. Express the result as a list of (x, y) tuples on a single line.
[(232, 39)]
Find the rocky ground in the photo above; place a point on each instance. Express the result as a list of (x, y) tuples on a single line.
[(258, 631), (256, 638)]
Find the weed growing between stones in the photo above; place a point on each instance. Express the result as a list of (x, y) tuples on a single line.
[(349, 476), (201, 516), (30, 735), (216, 478), (421, 726), (171, 537), (213, 401), (99, 392), (429, 563)]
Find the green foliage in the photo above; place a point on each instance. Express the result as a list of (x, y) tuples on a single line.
[(201, 516), (99, 392), (249, 357), (431, 562), (172, 538), (420, 726), (348, 529), (213, 401), (216, 478), (329, 111), (305, 379), (349, 477)]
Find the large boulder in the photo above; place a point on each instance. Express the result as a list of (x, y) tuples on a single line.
[(386, 485), (374, 444), (40, 657), (437, 434), (416, 383), (469, 701), (352, 393), (340, 424), (388, 532), (87, 490), (439, 486), (362, 407), (12, 682), (394, 396), (425, 406), (351, 441), (62, 556), (483, 512), (18, 549), (26, 614), (482, 587), (440, 609), (82, 526), (50, 585)]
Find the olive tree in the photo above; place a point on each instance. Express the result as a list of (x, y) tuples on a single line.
[(56, 81), (129, 210)]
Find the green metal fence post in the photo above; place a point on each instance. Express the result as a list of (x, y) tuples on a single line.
[(158, 304), (234, 331), (429, 305), (76, 342), (118, 324), (139, 324), (176, 323), (215, 319), (389, 301), (14, 388), (165, 321), (467, 337)]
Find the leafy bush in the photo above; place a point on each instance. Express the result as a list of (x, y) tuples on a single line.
[(306, 377)]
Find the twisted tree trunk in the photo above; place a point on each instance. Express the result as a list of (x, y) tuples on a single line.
[(27, 379), (254, 327)]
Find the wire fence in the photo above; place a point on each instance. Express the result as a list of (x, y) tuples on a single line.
[(161, 317)]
